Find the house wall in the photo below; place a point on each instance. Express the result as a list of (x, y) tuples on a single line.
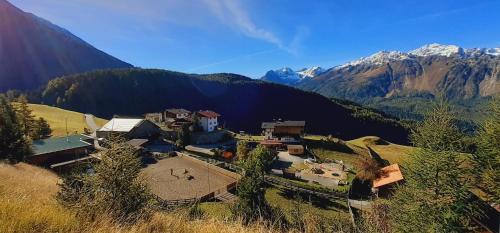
[(209, 124), (58, 156), (295, 130), (107, 134), (155, 117), (268, 133), (296, 151), (145, 130), (176, 116)]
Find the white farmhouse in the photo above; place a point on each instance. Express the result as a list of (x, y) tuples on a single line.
[(208, 120)]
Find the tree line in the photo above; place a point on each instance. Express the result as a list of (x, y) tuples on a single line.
[(18, 128)]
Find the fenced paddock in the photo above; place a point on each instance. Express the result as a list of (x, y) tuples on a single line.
[(183, 177)]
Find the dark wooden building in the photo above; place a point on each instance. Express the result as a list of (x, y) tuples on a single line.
[(55, 150)]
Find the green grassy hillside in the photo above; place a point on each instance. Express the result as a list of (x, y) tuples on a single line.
[(58, 117)]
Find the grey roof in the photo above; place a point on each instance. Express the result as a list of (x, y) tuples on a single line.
[(137, 142), (178, 111), (51, 145), (271, 125), (268, 125)]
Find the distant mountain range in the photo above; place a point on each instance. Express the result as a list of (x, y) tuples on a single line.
[(403, 83), (447, 70), (290, 77), (33, 50), (244, 103)]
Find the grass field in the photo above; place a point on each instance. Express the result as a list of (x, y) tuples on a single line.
[(330, 211), (58, 117), (394, 153), (27, 205)]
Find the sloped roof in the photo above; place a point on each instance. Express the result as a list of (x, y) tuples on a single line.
[(121, 124), (209, 114), (268, 125), (137, 142), (391, 174), (271, 125), (51, 145)]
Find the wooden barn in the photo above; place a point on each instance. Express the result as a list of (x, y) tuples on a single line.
[(283, 130), (129, 128), (51, 151)]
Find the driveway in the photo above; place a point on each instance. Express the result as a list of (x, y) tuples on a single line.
[(89, 119), (284, 156)]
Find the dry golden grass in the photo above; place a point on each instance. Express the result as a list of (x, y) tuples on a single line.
[(394, 153), (27, 204), (57, 118)]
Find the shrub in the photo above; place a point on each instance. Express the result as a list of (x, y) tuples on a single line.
[(114, 189)]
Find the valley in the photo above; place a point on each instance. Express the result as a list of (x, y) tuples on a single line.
[(249, 116)]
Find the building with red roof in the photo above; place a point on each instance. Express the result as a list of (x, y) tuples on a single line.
[(208, 120)]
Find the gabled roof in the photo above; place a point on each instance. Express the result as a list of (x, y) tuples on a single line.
[(121, 124), (51, 145), (178, 111), (208, 113), (391, 174)]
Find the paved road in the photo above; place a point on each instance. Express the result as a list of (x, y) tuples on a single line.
[(89, 119)]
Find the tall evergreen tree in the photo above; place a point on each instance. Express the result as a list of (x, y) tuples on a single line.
[(13, 145), (242, 149), (252, 203), (26, 117), (436, 196), (41, 129), (487, 156)]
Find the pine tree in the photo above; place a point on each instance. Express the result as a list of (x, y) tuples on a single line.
[(242, 149), (114, 189), (13, 145), (26, 118), (252, 204), (41, 130), (436, 196), (487, 157)]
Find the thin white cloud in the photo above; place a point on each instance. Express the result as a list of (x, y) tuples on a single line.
[(231, 13), (229, 60), (234, 15)]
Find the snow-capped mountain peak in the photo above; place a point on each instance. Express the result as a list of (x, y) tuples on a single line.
[(379, 58), (437, 50), (288, 76), (479, 51), (311, 72)]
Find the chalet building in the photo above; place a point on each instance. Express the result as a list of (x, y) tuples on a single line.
[(283, 131), (177, 113), (208, 120), (47, 152), (129, 128)]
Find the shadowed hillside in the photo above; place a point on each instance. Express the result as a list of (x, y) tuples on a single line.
[(243, 103), (33, 50)]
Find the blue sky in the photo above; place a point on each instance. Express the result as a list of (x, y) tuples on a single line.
[(251, 37)]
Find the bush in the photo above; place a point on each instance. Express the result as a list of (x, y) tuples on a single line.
[(114, 189)]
